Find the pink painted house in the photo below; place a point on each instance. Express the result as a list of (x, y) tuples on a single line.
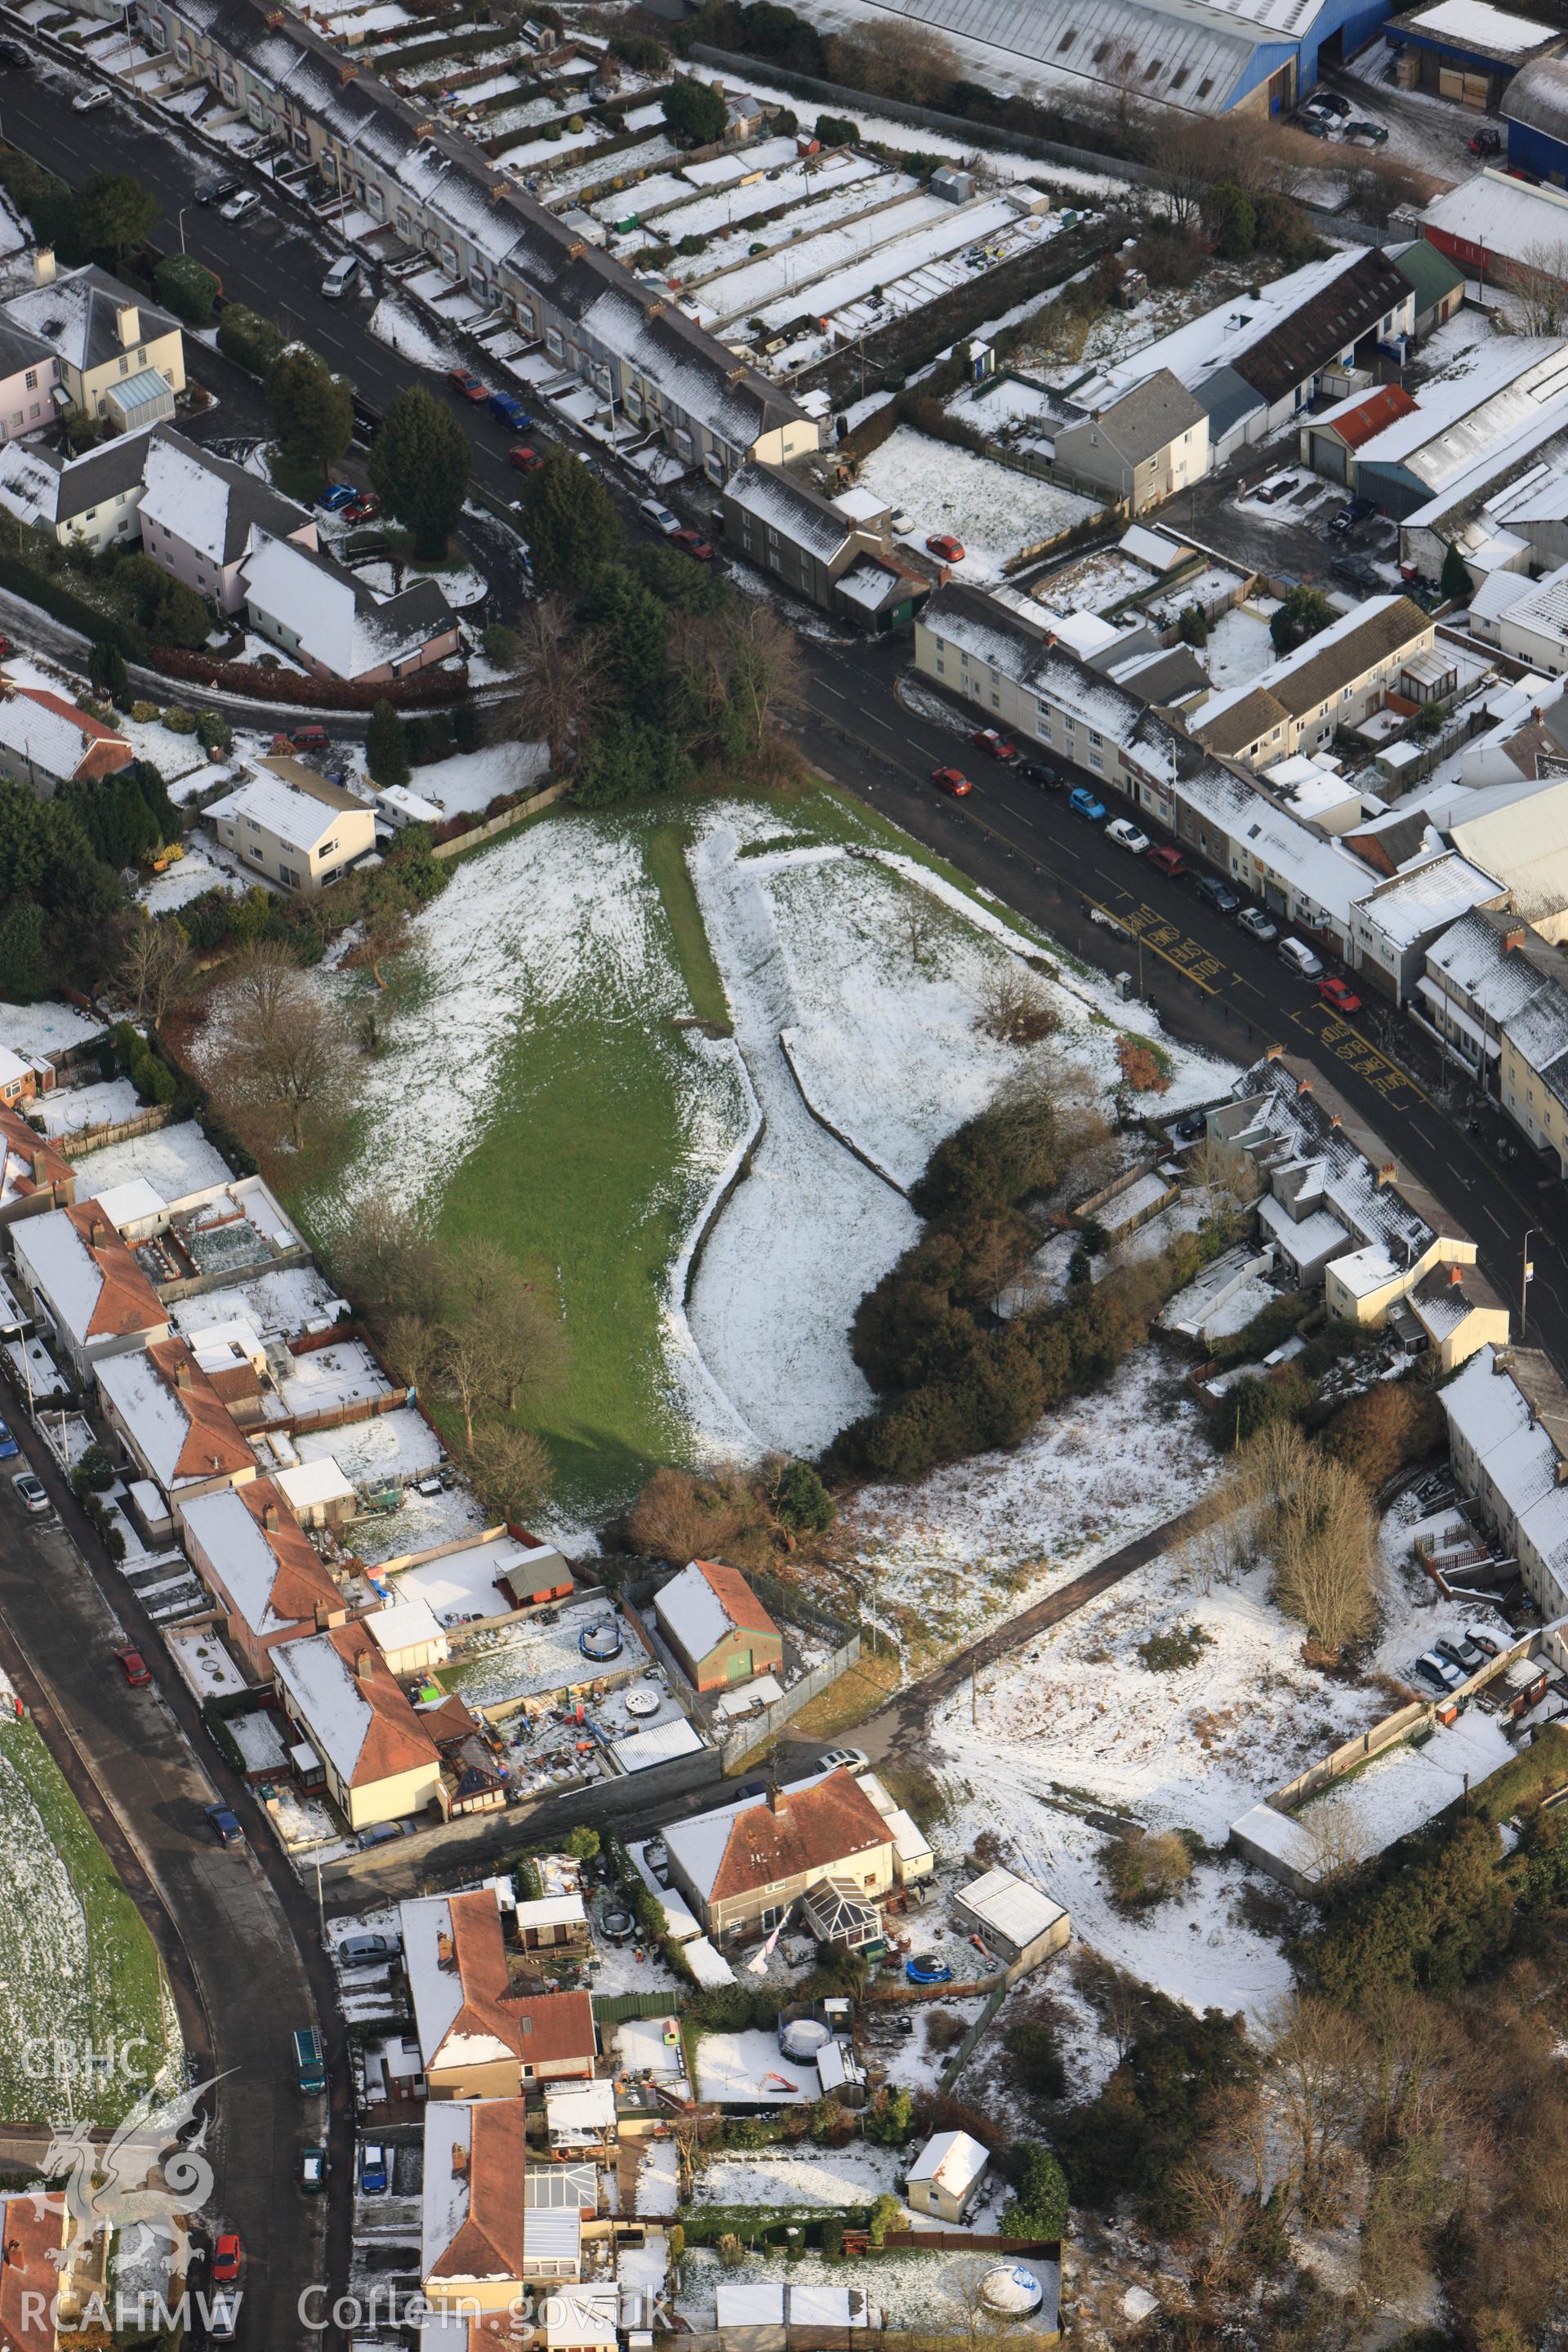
[(29, 374), (202, 518)]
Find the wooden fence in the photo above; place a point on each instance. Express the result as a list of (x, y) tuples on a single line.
[(502, 823)]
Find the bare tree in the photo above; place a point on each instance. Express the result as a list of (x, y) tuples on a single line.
[(1538, 276), (488, 1294), (384, 930), (1014, 1007), (1321, 1536), (468, 1372), (286, 1069), (560, 682), (1341, 1840), (1317, 2072), (512, 1471), (901, 60), (766, 676), (156, 967), (414, 1349), (387, 1262), (1222, 1179)]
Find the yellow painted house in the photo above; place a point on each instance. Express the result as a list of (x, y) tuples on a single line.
[(121, 360)]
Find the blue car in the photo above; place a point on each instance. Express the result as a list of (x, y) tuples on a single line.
[(511, 412), (1082, 803), (224, 1825), (372, 2169), (336, 497), (8, 1444)]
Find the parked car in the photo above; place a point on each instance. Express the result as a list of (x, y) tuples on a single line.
[(225, 1827), (526, 460), (13, 54), (378, 1834), (8, 1445), (1356, 572), (1346, 518), (1435, 1669), (1126, 835), (336, 497), (133, 1666), (1300, 959), (313, 2171), (1254, 920), (1481, 1642), (942, 543), (372, 2169), (223, 2318), (1166, 860), (1040, 771), (311, 737), (364, 508), (218, 190), (1082, 803), (511, 412), (1373, 132), (999, 746), (1313, 125), (843, 1759), (1188, 1129), (903, 522), (1339, 994), (30, 1491), (467, 384), (1467, 1651), (692, 543), (1328, 101), (237, 206), (365, 1951), (87, 101), (343, 275), (226, 2257), (1455, 1655), (951, 781), (654, 511), (1218, 892)]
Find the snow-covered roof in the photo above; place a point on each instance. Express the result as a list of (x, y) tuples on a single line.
[(79, 315), (1018, 1910), (1493, 391), (214, 507), (94, 1288), (869, 583), (1312, 673), (754, 1843), (707, 1962), (706, 1603), (354, 1712), (301, 815), (1476, 25), (1213, 341), (438, 1992), (1427, 897), (954, 2160), (337, 619), (1509, 219), (404, 1625), (42, 487), (579, 2110), (44, 731), (270, 1573), (549, 1911), (1150, 547), (799, 514), (310, 1485)]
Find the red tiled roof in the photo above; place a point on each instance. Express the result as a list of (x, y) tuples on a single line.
[(213, 1443), (489, 2240), (740, 1604), (543, 2028), (19, 1141), (103, 754), (127, 1301), (395, 1741), (1384, 406), (31, 2236), (300, 1580), (811, 1829), (554, 2026)]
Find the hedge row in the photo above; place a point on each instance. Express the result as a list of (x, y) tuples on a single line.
[(422, 686), (39, 588)]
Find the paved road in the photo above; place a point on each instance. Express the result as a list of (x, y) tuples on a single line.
[(229, 1924)]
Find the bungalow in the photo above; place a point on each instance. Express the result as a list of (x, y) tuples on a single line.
[(480, 2242), (743, 1866), (46, 742), (944, 2178), (380, 1762), (292, 825), (327, 618), (83, 1282), (717, 1627), (34, 1178), (202, 517), (173, 1422), (121, 360), (252, 1551), (479, 2037), (91, 502)]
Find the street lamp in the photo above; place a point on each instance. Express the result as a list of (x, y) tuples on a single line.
[(1526, 1273), (180, 225)]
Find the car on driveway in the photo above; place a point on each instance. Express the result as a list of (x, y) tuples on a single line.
[(224, 1825), (999, 746), (1082, 803), (843, 1759), (692, 543), (1254, 920), (372, 2169), (1312, 124), (237, 206), (1435, 1669), (133, 1666), (511, 412), (1218, 892), (1040, 771), (942, 543), (1328, 101), (526, 460), (467, 384), (365, 1951), (1486, 143), (12, 53), (87, 101), (378, 1834), (363, 509), (1346, 518), (1166, 860), (226, 2257), (30, 1491), (336, 497), (1339, 994), (1126, 835), (655, 511), (8, 1445), (1481, 1642), (951, 781)]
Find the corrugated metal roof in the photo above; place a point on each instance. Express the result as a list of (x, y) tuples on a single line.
[(1194, 55)]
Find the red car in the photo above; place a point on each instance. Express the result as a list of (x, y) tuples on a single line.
[(1001, 747), (1169, 861), (1339, 994), (466, 385), (310, 739), (366, 508), (133, 1666), (226, 2258), (942, 543), (950, 780), (527, 461), (691, 543)]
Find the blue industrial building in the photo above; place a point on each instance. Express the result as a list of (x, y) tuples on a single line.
[(1467, 50), (1535, 109), (1204, 57)]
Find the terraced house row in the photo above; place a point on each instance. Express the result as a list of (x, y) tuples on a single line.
[(441, 196)]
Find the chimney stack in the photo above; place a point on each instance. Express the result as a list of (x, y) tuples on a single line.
[(1274, 1053), (446, 1951), (269, 1519), (98, 1233), (460, 2161), (1388, 1174), (361, 1665), (778, 1803), (1456, 1277), (1303, 1087), (1513, 939), (181, 1374), (44, 266)]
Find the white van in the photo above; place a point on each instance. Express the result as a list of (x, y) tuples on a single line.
[(340, 277), (1300, 959)]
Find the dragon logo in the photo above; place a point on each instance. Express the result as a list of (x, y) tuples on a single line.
[(146, 2182)]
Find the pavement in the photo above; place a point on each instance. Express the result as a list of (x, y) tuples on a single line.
[(235, 1931)]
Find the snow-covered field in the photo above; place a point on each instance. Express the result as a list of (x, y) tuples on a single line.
[(995, 511)]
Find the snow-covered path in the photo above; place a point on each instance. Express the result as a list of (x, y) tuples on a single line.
[(809, 1230)]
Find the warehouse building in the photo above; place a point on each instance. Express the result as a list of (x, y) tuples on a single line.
[(1466, 51)]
